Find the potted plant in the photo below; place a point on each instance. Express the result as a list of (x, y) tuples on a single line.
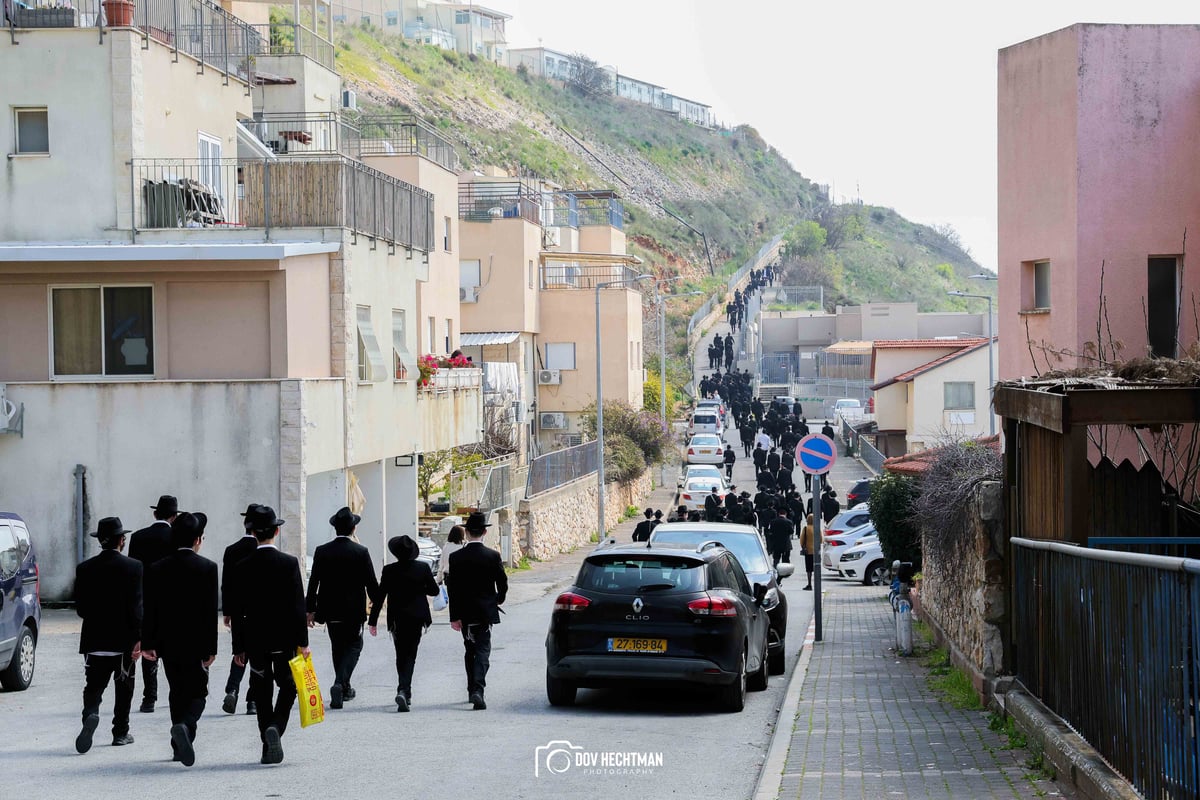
[(118, 13)]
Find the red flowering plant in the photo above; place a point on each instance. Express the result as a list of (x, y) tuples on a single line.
[(429, 364)]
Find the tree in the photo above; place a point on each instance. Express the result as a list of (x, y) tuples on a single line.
[(643, 428), (893, 499), (588, 78), (804, 240), (430, 470)]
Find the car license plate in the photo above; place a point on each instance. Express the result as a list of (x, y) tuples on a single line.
[(627, 645), (706, 451)]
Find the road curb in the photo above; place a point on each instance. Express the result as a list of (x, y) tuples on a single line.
[(771, 776)]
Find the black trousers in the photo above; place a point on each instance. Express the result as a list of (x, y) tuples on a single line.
[(269, 671), (97, 671), (234, 682), (189, 688), (477, 639), (406, 638), (785, 556), (149, 681), (346, 642)]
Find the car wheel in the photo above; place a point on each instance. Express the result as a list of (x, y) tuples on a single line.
[(757, 681), (877, 574), (560, 692), (733, 697), (777, 660), (19, 673)]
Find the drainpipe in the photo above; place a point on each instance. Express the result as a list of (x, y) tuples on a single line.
[(80, 523)]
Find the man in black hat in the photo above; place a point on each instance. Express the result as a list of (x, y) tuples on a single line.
[(148, 545), (406, 585), (712, 506), (269, 627), (342, 580), (181, 627), (641, 532), (234, 553), (108, 596), (477, 586)]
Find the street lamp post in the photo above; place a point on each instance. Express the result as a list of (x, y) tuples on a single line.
[(600, 405), (661, 300), (991, 351)]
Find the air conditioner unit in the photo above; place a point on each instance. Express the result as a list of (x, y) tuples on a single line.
[(553, 421), (350, 100), (551, 237), (549, 377), (468, 294)]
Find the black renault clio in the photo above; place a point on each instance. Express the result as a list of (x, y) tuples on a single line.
[(642, 614)]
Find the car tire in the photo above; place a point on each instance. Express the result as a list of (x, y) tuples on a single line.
[(560, 692), (777, 660), (757, 680), (732, 698), (878, 574), (19, 673)]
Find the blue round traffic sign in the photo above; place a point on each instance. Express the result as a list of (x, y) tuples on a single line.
[(816, 454)]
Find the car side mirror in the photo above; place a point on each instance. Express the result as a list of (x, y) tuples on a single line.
[(785, 570), (760, 593)]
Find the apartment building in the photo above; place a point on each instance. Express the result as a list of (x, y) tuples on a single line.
[(535, 261), (223, 298), (543, 62)]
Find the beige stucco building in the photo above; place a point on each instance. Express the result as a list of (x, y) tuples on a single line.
[(222, 299)]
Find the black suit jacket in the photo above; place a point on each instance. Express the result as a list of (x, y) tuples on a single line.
[(477, 585), (641, 531), (407, 587), (108, 596), (342, 580), (181, 606), (151, 543), (269, 598), (234, 553)]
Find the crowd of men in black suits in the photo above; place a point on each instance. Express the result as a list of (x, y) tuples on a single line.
[(160, 605), (735, 309)]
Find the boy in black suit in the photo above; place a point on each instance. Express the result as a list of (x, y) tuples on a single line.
[(234, 553), (108, 596), (406, 585), (477, 586), (181, 628), (269, 627), (148, 545), (342, 580)]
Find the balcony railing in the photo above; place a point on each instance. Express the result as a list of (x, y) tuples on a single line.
[(291, 39), (562, 211), (333, 192), (403, 134), (560, 275), (321, 133), (601, 211), (485, 201)]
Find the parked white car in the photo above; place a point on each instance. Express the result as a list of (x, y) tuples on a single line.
[(714, 405), (706, 421), (706, 448), (865, 562), (708, 471), (694, 491), (848, 407), (833, 546)]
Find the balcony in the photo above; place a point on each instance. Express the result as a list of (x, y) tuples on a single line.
[(561, 212), (450, 409), (329, 192), (198, 28), (404, 135), (600, 207), (562, 275), (486, 201), (368, 135), (288, 39)]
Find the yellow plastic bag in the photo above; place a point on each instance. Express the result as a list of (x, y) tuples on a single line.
[(312, 707)]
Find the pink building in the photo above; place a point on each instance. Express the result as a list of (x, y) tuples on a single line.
[(1099, 158)]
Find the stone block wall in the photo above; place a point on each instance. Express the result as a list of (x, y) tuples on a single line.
[(564, 518)]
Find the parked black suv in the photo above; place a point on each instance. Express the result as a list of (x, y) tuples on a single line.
[(646, 614), (750, 551), (860, 492)]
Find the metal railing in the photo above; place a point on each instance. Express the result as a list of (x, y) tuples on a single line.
[(1108, 641), (52, 14), (757, 261), (291, 39), (562, 211), (556, 275), (403, 134), (602, 211), (556, 468), (485, 201), (318, 133), (467, 487), (204, 31), (497, 488), (334, 192)]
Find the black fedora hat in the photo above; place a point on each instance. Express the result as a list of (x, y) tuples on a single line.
[(344, 520), (403, 548), (167, 504), (248, 515), (108, 528), (477, 522), (262, 518)]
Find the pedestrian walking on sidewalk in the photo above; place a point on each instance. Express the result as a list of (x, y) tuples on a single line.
[(641, 532), (806, 547), (406, 585), (454, 541), (234, 553), (148, 545), (477, 586), (730, 458), (779, 537), (270, 628), (181, 628), (712, 506), (108, 597), (342, 580)]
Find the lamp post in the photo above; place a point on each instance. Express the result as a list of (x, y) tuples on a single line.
[(600, 404), (661, 300), (991, 349)]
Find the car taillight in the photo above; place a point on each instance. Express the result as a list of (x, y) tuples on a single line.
[(713, 607), (835, 543), (834, 532), (686, 497), (720, 451), (569, 601), (691, 452)]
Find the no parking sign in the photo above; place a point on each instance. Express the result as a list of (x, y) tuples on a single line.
[(816, 454)]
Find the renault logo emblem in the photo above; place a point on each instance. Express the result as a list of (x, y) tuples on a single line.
[(637, 605)]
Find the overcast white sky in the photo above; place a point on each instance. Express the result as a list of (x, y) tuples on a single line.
[(891, 102)]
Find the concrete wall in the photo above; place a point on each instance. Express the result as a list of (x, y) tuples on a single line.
[(562, 519), (508, 299), (601, 239), (888, 321), (450, 417), (316, 89)]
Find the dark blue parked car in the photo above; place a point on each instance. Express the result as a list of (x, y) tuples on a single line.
[(20, 603)]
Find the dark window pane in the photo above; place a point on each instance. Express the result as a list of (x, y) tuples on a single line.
[(75, 315), (128, 330), (33, 131), (1162, 306)]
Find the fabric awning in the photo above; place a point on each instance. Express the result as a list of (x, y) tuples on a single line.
[(484, 339)]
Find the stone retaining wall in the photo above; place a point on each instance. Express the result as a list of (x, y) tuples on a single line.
[(564, 518)]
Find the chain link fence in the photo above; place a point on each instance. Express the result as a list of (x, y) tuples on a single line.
[(559, 467)]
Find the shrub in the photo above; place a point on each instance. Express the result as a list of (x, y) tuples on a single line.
[(640, 427), (893, 499), (623, 460)]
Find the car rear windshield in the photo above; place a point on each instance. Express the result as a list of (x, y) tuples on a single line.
[(703, 485), (744, 546), (704, 419), (706, 441), (641, 574)]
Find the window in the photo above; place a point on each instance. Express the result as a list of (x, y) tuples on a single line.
[(1035, 285), (531, 274), (446, 234), (430, 342), (392, 17), (1162, 305), (210, 162), (403, 364), (468, 274), (449, 336), (462, 17), (33, 130), (370, 358), (560, 355), (10, 556), (958, 395), (102, 330)]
